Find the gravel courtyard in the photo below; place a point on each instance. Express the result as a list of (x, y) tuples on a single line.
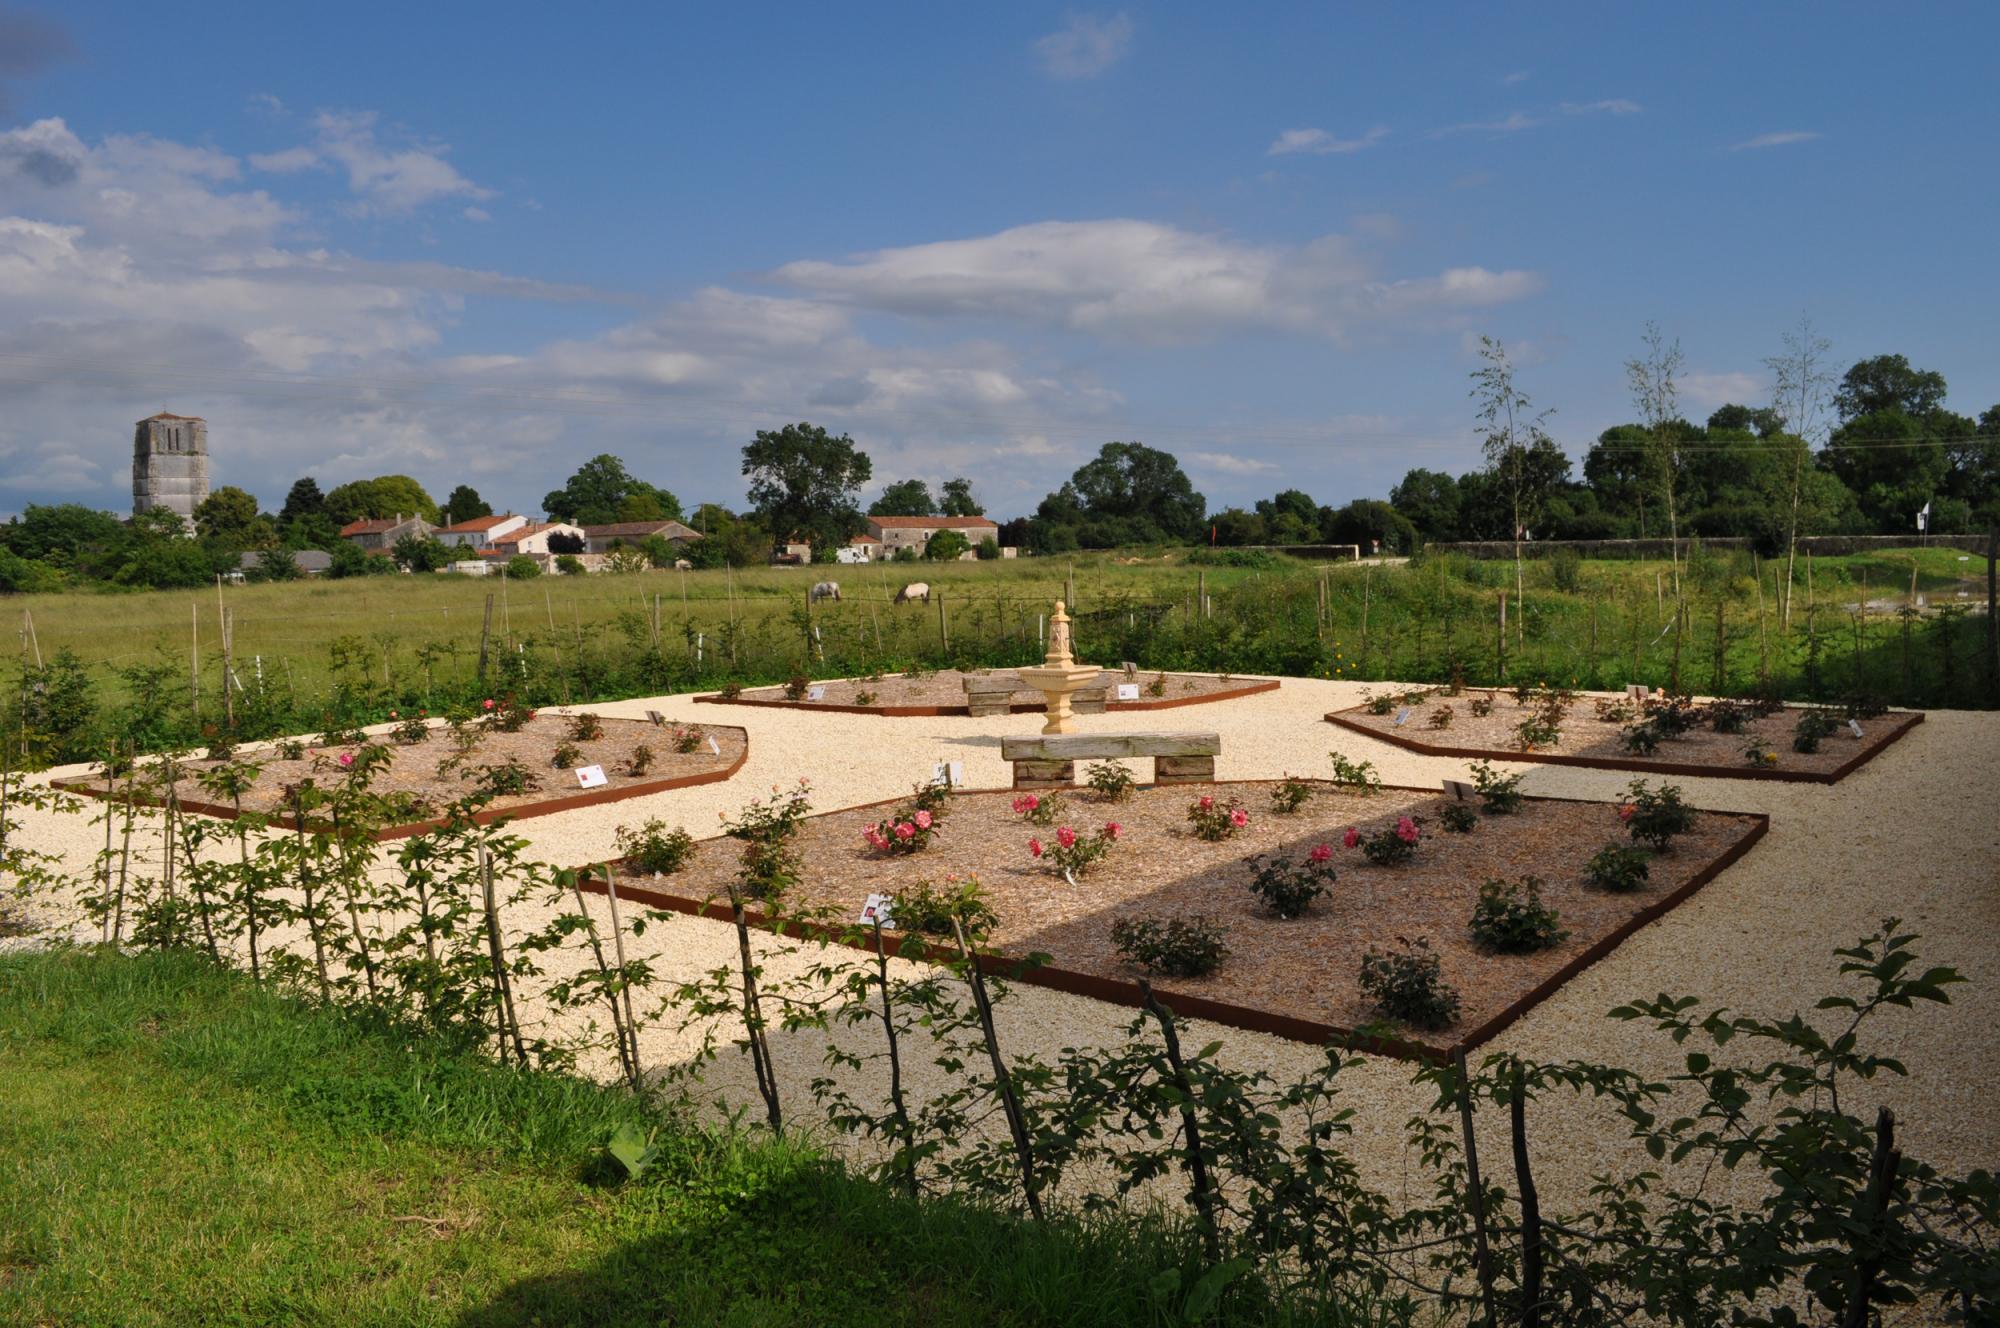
[(1915, 833)]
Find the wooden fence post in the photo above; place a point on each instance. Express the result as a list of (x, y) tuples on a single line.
[(1500, 641), (485, 634)]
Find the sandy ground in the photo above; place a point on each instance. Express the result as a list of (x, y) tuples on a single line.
[(1914, 833)]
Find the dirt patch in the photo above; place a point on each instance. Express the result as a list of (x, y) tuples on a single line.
[(1589, 738), (1301, 969), (433, 773), (943, 692)]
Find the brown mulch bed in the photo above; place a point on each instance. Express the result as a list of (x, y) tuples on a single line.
[(414, 769), (1588, 739), (943, 692), (1304, 968)]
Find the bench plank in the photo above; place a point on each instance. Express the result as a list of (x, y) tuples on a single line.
[(1105, 746)]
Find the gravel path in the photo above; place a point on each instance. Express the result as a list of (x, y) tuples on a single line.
[(1915, 833)]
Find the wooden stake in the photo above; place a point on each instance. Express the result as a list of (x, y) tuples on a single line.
[(1482, 1260), (485, 634), (194, 662)]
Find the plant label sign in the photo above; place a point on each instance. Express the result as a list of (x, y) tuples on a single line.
[(877, 911), (714, 747), (951, 774), (1459, 789), (1854, 727), (815, 693), (1402, 716), (1638, 691), (590, 776), (1128, 691), (657, 718)]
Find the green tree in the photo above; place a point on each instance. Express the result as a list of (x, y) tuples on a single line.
[(303, 501), (1128, 494), (1888, 383), (945, 545), (1428, 500), (804, 482), (465, 504), (904, 498), (1799, 395), (229, 517), (418, 553), (568, 564), (602, 491), (958, 499), (523, 568), (1366, 520), (378, 499), (1654, 380), (1512, 431), (1233, 527), (276, 565), (1290, 517), (61, 533)]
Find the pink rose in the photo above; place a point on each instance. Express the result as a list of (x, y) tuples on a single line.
[(1026, 803), (1035, 847), (923, 819), (488, 703), (393, 715), (1239, 818), (874, 838), (1321, 852), (346, 759), (1351, 838), (1066, 837), (1206, 802), (1112, 830), (905, 831), (1625, 811), (1406, 830)]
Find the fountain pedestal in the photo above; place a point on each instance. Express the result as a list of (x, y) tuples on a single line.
[(1059, 677)]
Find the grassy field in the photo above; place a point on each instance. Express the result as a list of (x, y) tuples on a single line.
[(179, 1147), (313, 652)]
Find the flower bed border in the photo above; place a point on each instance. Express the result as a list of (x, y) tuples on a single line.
[(526, 811), (1018, 708), (1907, 720), (1121, 992)]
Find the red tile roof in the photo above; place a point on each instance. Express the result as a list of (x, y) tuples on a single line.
[(477, 524), (640, 529), (531, 529), (933, 522), (367, 527)]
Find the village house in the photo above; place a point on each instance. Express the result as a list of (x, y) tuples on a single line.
[(914, 532), (480, 531), (535, 540), (631, 534), (380, 535)]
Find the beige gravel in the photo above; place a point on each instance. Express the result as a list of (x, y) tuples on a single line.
[(1914, 833)]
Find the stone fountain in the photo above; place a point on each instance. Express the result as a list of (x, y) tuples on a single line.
[(1059, 676)]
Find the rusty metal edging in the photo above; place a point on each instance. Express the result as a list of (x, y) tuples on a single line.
[(1018, 708)]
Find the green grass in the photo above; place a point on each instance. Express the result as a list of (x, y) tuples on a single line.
[(181, 1147)]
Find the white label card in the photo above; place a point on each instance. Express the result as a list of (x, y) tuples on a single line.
[(714, 747), (590, 776), (656, 717), (1402, 716), (877, 911), (815, 693), (1128, 691), (1638, 691), (1854, 727), (950, 773), (1459, 789)]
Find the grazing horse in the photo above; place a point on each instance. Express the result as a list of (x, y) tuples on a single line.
[(916, 590), (823, 590)]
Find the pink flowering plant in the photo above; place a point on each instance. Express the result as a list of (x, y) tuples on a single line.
[(908, 831), (1287, 886), (1392, 847), (1040, 808), (1072, 854), (1216, 820)]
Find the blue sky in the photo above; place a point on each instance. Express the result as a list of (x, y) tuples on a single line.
[(480, 243)]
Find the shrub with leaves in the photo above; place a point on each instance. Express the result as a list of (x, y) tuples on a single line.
[(864, 697), (1288, 887), (1537, 731), (566, 755), (796, 687), (509, 778), (1511, 918), (1641, 738), (1072, 854), (1482, 706), (1408, 984), (1290, 794), (411, 730), (509, 715), (651, 847), (1728, 716), (1181, 945), (1440, 718), (290, 749), (1040, 808), (909, 830), (1655, 816), (766, 828), (1380, 705), (733, 690), (928, 910), (640, 761), (1394, 846), (1355, 776), (1614, 712), (1758, 753), (585, 727), (1458, 817), (1158, 686), (1110, 780), (1499, 794), (1814, 725), (1215, 820), (1620, 868), (687, 739)]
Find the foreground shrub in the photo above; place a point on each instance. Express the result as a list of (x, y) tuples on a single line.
[(653, 848), (929, 910), (1216, 821), (1620, 868), (1391, 847), (1040, 808), (1290, 794), (1813, 726), (1408, 984), (1356, 776), (1511, 918), (1655, 816), (1500, 794), (1073, 854), (1110, 780), (1458, 817), (585, 727), (1178, 946), (507, 779), (1287, 887)]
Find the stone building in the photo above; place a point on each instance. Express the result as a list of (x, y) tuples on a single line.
[(170, 464)]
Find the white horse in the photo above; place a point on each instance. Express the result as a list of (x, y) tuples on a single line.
[(823, 590), (916, 590)]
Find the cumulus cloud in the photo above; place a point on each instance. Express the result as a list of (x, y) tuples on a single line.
[(1512, 123), (1319, 142), (1084, 46), (1709, 390), (1146, 281), (1611, 106), (390, 178), (1517, 77), (1779, 139), (286, 161), (1228, 463)]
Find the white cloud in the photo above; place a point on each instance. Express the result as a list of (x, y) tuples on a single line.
[(1145, 281), (389, 179), (1518, 77), (1319, 142), (478, 214), (1611, 106), (1228, 463), (1512, 123), (286, 161), (1085, 45), (1779, 139), (1709, 390)]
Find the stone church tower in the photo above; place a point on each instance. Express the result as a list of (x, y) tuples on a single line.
[(170, 463)]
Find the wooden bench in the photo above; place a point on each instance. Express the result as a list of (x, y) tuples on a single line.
[(1050, 762), (993, 694)]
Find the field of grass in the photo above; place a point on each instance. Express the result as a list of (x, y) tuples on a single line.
[(308, 653), (180, 1147)]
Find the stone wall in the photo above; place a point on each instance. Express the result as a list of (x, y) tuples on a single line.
[(169, 464)]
